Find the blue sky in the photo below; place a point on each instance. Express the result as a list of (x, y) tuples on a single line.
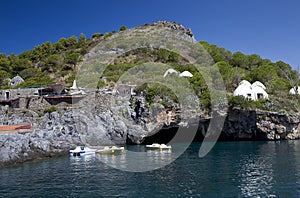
[(270, 28)]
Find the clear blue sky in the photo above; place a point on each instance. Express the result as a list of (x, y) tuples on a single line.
[(270, 28)]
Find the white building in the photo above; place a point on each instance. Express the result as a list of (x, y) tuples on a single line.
[(244, 89), (254, 92), (186, 74), (15, 81), (294, 90), (259, 93), (170, 71)]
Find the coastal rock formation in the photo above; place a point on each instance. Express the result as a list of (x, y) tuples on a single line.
[(57, 132), (277, 126), (260, 125), (47, 142)]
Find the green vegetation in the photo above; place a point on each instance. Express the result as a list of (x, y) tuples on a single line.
[(50, 109), (57, 63), (278, 77), (123, 28), (47, 63)]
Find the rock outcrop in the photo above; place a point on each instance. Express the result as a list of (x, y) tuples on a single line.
[(131, 121), (55, 139), (260, 125)]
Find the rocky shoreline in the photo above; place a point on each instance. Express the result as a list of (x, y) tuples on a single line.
[(57, 132)]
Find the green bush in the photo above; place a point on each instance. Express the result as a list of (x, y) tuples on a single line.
[(50, 109), (107, 34), (123, 28), (97, 35), (244, 103)]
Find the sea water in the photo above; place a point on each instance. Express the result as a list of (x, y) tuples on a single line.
[(231, 169)]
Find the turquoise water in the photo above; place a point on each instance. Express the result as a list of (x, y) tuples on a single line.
[(231, 169)]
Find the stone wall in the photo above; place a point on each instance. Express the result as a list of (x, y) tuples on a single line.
[(8, 94)]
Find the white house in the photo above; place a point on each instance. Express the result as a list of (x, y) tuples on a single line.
[(259, 93), (254, 92), (15, 81), (170, 71), (244, 89), (294, 90), (186, 74)]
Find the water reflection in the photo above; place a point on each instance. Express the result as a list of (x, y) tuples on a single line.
[(256, 176), (265, 165), (115, 159), (232, 169), (127, 159), (77, 160)]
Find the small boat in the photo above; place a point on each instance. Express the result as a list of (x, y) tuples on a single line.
[(82, 150), (156, 146), (110, 150)]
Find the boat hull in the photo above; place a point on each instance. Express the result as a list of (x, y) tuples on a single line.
[(81, 151), (110, 150), (157, 148)]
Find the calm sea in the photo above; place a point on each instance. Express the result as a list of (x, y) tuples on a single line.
[(231, 169)]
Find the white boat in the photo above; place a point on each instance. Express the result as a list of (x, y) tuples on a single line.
[(156, 146), (110, 150), (82, 150)]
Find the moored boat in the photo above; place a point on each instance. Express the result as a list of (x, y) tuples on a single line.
[(82, 150), (110, 150), (156, 146)]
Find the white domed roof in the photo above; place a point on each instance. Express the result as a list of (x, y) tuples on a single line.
[(186, 74), (170, 71), (255, 91), (243, 90), (258, 84), (245, 82)]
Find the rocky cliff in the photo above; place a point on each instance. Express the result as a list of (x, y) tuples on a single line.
[(57, 132), (260, 125)]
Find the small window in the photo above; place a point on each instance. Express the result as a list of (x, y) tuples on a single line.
[(260, 95), (249, 95)]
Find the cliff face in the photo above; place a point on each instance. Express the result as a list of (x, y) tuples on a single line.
[(278, 126), (260, 125), (56, 133), (56, 137), (239, 125), (142, 121), (130, 121)]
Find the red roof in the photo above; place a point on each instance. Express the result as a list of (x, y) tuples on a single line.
[(14, 127)]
